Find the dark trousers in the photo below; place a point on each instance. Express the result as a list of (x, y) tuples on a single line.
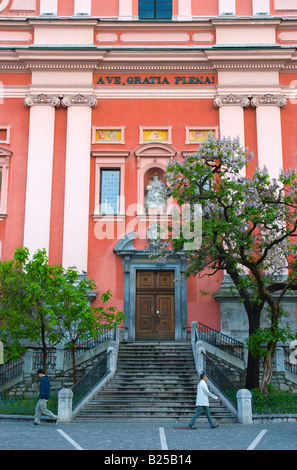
[(198, 412)]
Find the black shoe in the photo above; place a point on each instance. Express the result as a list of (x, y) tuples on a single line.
[(192, 426), (215, 426), (35, 424)]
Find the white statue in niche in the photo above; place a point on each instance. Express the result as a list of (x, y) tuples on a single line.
[(153, 234), (155, 198)]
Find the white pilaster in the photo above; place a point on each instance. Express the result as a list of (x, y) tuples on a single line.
[(82, 7), (125, 10), (269, 134), (184, 10), (49, 7), (261, 7), (231, 110), (39, 171), (227, 7), (77, 181)]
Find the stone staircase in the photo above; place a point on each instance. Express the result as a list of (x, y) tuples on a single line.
[(153, 381)]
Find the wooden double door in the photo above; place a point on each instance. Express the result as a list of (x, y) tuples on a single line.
[(155, 305)]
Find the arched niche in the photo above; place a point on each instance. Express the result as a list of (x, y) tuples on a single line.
[(151, 159)]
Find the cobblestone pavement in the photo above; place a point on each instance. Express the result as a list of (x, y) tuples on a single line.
[(145, 436)]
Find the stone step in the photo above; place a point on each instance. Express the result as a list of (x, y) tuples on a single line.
[(150, 415), (152, 381)]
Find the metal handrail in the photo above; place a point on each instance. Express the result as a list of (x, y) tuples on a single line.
[(220, 340), (90, 380), (88, 344), (218, 378), (288, 364), (14, 368), (11, 369)]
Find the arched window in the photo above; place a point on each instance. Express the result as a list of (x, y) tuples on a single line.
[(155, 9)]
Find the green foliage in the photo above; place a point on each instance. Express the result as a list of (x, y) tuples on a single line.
[(78, 319), (46, 305), (273, 402), (249, 226)]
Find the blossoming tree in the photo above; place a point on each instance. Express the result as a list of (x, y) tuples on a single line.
[(249, 227)]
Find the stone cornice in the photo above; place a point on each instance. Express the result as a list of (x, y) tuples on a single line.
[(59, 59), (133, 61)]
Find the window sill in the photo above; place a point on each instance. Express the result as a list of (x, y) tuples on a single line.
[(108, 218), (153, 217)]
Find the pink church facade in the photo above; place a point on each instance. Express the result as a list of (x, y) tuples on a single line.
[(96, 97)]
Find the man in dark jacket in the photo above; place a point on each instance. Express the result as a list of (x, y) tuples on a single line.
[(41, 407)]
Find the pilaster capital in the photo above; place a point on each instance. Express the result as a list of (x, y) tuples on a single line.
[(269, 100), (86, 100), (42, 99), (231, 100)]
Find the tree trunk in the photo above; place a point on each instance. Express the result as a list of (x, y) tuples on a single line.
[(44, 358), (267, 374), (252, 373), (267, 368), (253, 365), (73, 365), (44, 347)]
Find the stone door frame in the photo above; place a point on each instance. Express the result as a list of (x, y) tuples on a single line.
[(136, 260)]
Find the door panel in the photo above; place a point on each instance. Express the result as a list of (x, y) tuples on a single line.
[(165, 307), (144, 319), (155, 305)]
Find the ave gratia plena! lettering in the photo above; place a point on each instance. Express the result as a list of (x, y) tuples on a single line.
[(157, 80)]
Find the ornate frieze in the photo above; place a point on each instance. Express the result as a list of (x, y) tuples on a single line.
[(42, 99), (269, 100), (86, 100), (232, 100)]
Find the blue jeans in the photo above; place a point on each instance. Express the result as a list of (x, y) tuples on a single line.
[(198, 412)]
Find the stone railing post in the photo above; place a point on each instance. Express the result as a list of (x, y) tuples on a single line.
[(244, 406), (59, 359), (65, 397), (194, 329), (112, 358), (117, 334), (200, 351), (28, 366)]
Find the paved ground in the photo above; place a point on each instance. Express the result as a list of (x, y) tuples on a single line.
[(173, 437)]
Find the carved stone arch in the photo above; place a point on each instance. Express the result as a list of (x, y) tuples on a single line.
[(153, 155), (155, 150)]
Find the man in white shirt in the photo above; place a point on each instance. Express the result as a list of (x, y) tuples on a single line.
[(202, 402)]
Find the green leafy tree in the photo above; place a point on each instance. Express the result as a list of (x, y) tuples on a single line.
[(78, 319), (29, 302), (249, 225), (44, 305)]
